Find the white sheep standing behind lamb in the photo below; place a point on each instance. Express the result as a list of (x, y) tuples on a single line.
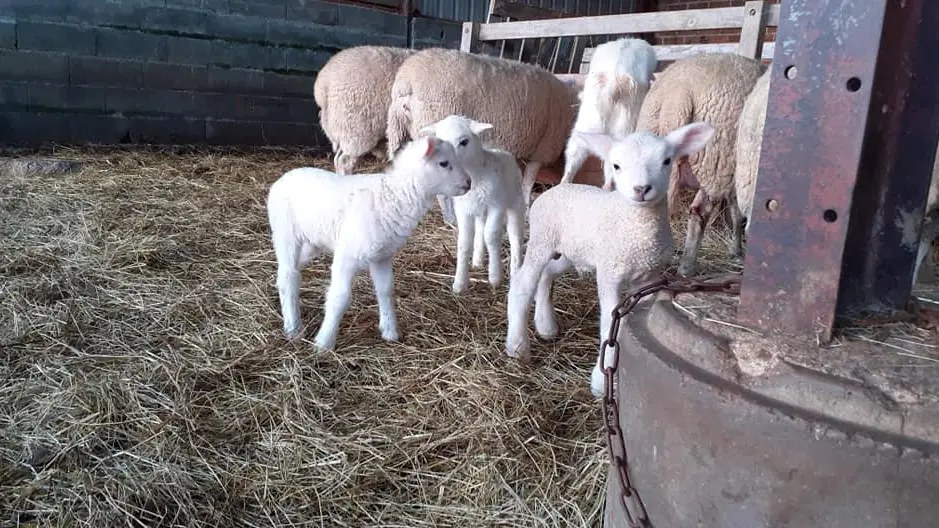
[(531, 110), (618, 79), (353, 91), (623, 236), (494, 201), (749, 143), (363, 221)]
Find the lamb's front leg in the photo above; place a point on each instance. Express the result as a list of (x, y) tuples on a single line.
[(343, 271), (495, 225), (608, 288), (446, 209), (383, 281), (464, 248), (521, 292), (479, 241)]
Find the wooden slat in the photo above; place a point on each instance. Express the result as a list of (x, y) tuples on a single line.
[(470, 36), (678, 51), (753, 30), (691, 19)]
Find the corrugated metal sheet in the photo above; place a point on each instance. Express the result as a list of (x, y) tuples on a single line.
[(475, 10)]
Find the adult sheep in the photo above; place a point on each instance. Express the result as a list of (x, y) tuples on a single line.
[(353, 90), (531, 110), (709, 87)]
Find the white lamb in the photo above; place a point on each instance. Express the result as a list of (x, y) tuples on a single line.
[(362, 221), (618, 79), (494, 201), (624, 236)]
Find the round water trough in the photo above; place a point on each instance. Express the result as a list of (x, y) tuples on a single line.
[(720, 434)]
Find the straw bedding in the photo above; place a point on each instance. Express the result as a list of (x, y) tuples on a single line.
[(146, 382)]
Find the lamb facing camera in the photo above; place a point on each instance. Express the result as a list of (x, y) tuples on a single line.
[(623, 236)]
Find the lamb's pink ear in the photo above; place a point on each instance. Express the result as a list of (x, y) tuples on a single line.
[(431, 147), (690, 138), (599, 144), (479, 128), (428, 130)]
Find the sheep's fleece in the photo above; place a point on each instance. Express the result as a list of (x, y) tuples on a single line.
[(708, 87), (352, 91), (531, 110), (749, 141)]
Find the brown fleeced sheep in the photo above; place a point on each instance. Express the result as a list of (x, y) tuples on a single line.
[(530, 109), (353, 90), (709, 87)]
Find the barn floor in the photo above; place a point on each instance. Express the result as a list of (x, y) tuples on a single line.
[(146, 381)]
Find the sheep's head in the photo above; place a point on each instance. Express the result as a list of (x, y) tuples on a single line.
[(462, 133), (640, 162), (435, 165)]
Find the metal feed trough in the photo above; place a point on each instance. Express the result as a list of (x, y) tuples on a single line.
[(848, 149)]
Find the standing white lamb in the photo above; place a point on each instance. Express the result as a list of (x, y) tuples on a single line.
[(353, 91), (494, 201), (531, 110), (618, 79), (623, 236), (362, 221)]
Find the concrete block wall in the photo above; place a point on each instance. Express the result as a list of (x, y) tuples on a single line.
[(180, 71)]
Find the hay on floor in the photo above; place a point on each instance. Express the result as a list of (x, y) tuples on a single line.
[(146, 381)]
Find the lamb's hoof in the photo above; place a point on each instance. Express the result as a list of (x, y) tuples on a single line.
[(324, 343), (519, 351), (292, 333), (548, 334), (460, 287), (495, 282), (597, 383), (478, 262), (391, 335), (686, 270)]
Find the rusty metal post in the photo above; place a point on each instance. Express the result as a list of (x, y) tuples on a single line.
[(851, 130)]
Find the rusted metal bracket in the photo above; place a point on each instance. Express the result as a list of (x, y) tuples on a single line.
[(851, 130)]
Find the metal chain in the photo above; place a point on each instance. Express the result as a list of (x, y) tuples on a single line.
[(635, 510)]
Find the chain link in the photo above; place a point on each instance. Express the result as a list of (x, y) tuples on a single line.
[(633, 506)]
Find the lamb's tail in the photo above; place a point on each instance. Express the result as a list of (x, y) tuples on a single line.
[(18, 167)]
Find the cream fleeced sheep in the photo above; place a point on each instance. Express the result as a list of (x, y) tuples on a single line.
[(749, 140), (362, 221), (748, 147), (617, 80), (353, 91), (531, 110), (623, 236), (708, 87), (494, 202)]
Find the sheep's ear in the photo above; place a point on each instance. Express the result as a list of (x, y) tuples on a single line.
[(478, 127), (431, 142), (690, 138), (598, 144), (428, 130)]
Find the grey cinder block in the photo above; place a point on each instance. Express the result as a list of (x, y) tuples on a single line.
[(324, 13), (131, 44), (161, 75), (7, 33), (48, 36), (105, 71), (185, 50), (280, 84), (34, 66), (306, 60), (258, 8), (236, 27), (238, 80)]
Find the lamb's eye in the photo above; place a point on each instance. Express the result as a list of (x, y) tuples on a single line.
[(616, 166), (445, 164), (667, 161), (464, 142)]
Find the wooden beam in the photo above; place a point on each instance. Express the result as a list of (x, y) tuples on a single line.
[(691, 19), (470, 36), (753, 31)]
